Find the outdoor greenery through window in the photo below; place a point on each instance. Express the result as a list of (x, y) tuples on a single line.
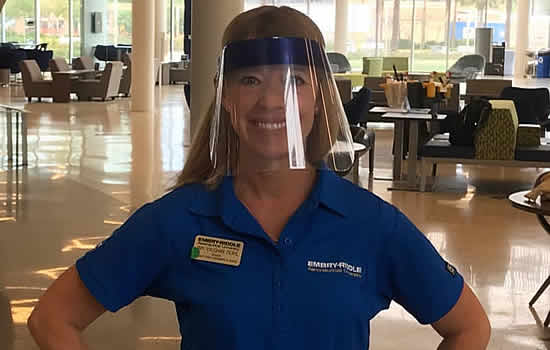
[(433, 34), (19, 21), (54, 24), (119, 22), (61, 34)]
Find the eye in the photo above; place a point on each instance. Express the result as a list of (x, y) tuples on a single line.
[(299, 80), (250, 81)]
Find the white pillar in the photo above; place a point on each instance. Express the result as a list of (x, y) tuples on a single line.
[(143, 150), (210, 17), (89, 39), (522, 39), (341, 27), (143, 51), (160, 29)]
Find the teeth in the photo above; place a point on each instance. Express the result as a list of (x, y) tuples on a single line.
[(271, 126)]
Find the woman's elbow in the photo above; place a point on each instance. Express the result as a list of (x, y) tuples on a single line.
[(36, 322), (485, 331)]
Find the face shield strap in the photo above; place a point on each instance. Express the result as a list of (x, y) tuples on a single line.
[(272, 51)]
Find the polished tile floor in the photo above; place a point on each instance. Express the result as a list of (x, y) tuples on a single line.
[(90, 164)]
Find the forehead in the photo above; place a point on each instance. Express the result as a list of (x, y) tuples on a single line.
[(271, 69)]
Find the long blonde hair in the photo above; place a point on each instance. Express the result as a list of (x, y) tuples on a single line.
[(261, 22)]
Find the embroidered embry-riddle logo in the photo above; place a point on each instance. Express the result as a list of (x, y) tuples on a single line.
[(343, 267)]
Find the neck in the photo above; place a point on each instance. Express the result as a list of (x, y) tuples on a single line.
[(271, 185)]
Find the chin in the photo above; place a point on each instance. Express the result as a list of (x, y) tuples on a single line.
[(272, 154)]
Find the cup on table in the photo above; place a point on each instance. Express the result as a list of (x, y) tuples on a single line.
[(396, 93)]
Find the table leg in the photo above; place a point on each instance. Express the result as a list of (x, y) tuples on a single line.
[(398, 134), (24, 145), (356, 172), (9, 192), (62, 88), (545, 225), (9, 135), (410, 184), (16, 139), (540, 291), (413, 153)]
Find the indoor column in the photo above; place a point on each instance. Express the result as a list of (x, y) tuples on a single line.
[(160, 30), (341, 27), (143, 52), (522, 39), (210, 17)]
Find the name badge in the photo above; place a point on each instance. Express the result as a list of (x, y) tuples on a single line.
[(217, 250)]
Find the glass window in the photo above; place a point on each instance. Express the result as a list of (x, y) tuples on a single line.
[(496, 19), (539, 26), (20, 23), (54, 26), (509, 12), (362, 32), (430, 36), (539, 33), (466, 15), (396, 28), (75, 30), (119, 22), (178, 28), (322, 13)]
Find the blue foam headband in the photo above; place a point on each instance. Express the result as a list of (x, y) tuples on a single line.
[(270, 51)]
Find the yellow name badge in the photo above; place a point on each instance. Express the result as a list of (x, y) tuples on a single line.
[(217, 250)]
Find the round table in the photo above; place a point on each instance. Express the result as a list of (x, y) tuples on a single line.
[(540, 209), (359, 149)]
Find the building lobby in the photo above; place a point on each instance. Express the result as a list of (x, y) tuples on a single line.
[(73, 172)]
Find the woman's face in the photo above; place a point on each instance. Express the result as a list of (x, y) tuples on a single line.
[(262, 100)]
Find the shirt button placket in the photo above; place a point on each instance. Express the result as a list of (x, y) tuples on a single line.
[(284, 316), (277, 319)]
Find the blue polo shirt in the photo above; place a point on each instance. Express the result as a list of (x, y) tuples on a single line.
[(343, 257)]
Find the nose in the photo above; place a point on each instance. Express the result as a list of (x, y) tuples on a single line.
[(274, 93)]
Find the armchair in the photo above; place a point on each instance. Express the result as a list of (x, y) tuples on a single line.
[(33, 82), (106, 87)]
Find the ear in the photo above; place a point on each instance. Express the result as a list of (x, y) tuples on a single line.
[(226, 102)]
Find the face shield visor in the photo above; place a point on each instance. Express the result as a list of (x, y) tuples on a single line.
[(277, 107)]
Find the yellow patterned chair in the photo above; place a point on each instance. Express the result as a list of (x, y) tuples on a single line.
[(495, 138), (495, 144)]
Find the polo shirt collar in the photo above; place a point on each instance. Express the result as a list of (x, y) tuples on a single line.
[(333, 192), (329, 192)]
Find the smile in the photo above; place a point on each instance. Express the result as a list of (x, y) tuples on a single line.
[(270, 126)]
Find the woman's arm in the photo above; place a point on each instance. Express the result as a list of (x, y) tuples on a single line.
[(63, 312), (466, 326)]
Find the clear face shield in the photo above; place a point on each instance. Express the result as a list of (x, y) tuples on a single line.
[(277, 107)]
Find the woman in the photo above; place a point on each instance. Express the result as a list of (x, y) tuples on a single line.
[(261, 245)]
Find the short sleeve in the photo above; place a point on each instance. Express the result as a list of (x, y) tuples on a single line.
[(415, 275), (124, 266)]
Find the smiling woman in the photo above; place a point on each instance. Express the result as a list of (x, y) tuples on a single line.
[(261, 245), (277, 97)]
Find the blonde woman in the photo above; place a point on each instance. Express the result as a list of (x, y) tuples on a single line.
[(261, 245)]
